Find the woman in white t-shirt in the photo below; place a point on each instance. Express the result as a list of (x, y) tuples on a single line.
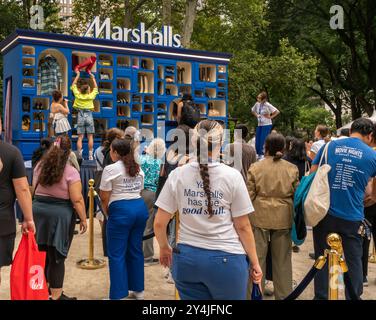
[(215, 236), (321, 135), (121, 187), (264, 112)]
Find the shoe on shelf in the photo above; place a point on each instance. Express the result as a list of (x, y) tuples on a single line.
[(151, 262)]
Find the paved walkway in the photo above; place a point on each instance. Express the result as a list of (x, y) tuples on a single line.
[(94, 284)]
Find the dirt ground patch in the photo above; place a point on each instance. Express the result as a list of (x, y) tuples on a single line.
[(94, 284)]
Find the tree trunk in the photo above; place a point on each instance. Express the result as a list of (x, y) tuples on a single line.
[(338, 112), (166, 12), (355, 110), (189, 19), (128, 17)]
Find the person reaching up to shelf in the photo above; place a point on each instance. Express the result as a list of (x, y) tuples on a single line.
[(83, 102)]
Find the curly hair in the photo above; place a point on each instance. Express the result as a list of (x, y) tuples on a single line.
[(123, 148), (53, 163)]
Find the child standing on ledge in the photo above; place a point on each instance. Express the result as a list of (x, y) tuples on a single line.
[(83, 102)]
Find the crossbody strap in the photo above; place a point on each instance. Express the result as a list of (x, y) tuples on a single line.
[(324, 155)]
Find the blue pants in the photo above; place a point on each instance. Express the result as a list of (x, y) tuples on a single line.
[(261, 133), (125, 228), (202, 274)]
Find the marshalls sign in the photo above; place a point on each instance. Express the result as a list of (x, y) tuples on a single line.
[(164, 38)]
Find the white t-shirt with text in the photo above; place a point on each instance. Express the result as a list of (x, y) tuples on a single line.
[(262, 109), (121, 185), (184, 192)]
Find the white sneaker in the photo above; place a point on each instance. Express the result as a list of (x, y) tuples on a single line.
[(137, 295), (170, 280), (91, 158)]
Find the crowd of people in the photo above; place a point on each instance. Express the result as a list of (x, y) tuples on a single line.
[(221, 228)]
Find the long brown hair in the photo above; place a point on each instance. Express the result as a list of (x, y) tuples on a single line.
[(209, 134), (124, 149), (111, 135), (54, 161)]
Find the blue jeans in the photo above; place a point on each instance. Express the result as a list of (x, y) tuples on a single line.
[(261, 133), (202, 274), (125, 228)]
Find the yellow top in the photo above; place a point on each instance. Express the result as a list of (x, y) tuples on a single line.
[(83, 101)]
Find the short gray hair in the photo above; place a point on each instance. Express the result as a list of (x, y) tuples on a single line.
[(156, 148)]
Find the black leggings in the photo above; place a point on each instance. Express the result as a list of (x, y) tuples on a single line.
[(370, 215), (55, 268)]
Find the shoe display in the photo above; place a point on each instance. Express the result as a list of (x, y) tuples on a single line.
[(170, 79), (170, 69), (148, 108), (104, 76)]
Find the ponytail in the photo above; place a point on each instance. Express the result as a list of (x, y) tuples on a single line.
[(204, 173), (278, 156)]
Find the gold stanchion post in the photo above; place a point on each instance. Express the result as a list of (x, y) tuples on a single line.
[(336, 264), (91, 263)]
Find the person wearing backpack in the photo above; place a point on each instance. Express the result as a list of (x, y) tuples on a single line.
[(352, 164), (187, 112), (264, 112)]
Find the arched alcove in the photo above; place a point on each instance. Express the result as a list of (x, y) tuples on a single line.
[(62, 61)]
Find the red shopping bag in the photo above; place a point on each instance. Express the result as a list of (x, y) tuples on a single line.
[(27, 279)]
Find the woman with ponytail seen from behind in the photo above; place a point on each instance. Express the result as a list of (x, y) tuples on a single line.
[(271, 185), (120, 192), (215, 253)]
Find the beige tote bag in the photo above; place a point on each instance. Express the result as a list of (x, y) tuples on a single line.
[(317, 203)]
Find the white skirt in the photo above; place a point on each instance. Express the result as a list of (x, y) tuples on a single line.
[(61, 124)]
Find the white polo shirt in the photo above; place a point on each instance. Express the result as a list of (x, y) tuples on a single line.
[(263, 109), (183, 192)]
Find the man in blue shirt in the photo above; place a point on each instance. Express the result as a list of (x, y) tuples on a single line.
[(352, 163)]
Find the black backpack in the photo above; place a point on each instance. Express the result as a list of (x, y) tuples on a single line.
[(190, 114)]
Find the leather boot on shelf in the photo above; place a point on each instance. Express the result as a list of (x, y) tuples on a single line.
[(146, 84), (140, 85), (208, 78)]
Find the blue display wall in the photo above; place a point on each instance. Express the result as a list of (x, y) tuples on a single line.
[(137, 83)]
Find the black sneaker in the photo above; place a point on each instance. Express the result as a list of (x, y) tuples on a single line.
[(295, 249), (64, 297), (312, 256), (151, 262)]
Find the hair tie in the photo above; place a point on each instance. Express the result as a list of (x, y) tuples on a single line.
[(57, 142)]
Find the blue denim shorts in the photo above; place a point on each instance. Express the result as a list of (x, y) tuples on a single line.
[(85, 122)]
